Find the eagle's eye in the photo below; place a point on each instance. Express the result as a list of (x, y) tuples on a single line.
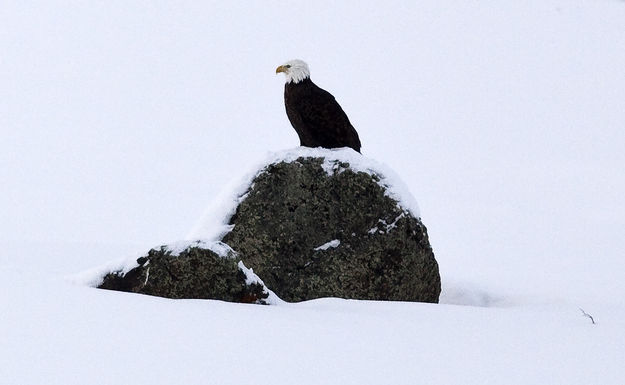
[(288, 66)]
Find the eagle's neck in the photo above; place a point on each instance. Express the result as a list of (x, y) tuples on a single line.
[(297, 75), (304, 83)]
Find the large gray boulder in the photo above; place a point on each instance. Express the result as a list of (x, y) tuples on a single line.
[(312, 223), (310, 231)]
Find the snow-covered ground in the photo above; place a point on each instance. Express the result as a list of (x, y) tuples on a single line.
[(54, 332), (121, 121)]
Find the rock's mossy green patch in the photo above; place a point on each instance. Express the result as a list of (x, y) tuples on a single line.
[(194, 273), (294, 208)]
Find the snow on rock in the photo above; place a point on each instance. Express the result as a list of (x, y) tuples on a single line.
[(213, 224), (387, 226), (251, 278), (219, 248), (332, 244)]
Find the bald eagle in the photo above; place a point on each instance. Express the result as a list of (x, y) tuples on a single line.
[(314, 113)]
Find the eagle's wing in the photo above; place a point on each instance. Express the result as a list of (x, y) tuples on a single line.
[(322, 114)]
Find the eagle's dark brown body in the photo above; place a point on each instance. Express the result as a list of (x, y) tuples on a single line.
[(317, 117)]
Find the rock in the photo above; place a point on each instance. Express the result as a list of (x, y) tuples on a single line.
[(192, 271), (312, 223), (310, 231)]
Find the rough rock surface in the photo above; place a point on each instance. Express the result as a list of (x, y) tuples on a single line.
[(193, 273), (309, 234)]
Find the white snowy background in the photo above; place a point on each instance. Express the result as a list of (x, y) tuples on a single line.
[(120, 122)]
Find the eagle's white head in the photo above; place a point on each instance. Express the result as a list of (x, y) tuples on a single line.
[(294, 70)]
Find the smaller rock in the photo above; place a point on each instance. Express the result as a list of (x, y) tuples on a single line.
[(191, 272)]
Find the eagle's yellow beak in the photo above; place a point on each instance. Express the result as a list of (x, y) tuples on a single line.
[(281, 69)]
